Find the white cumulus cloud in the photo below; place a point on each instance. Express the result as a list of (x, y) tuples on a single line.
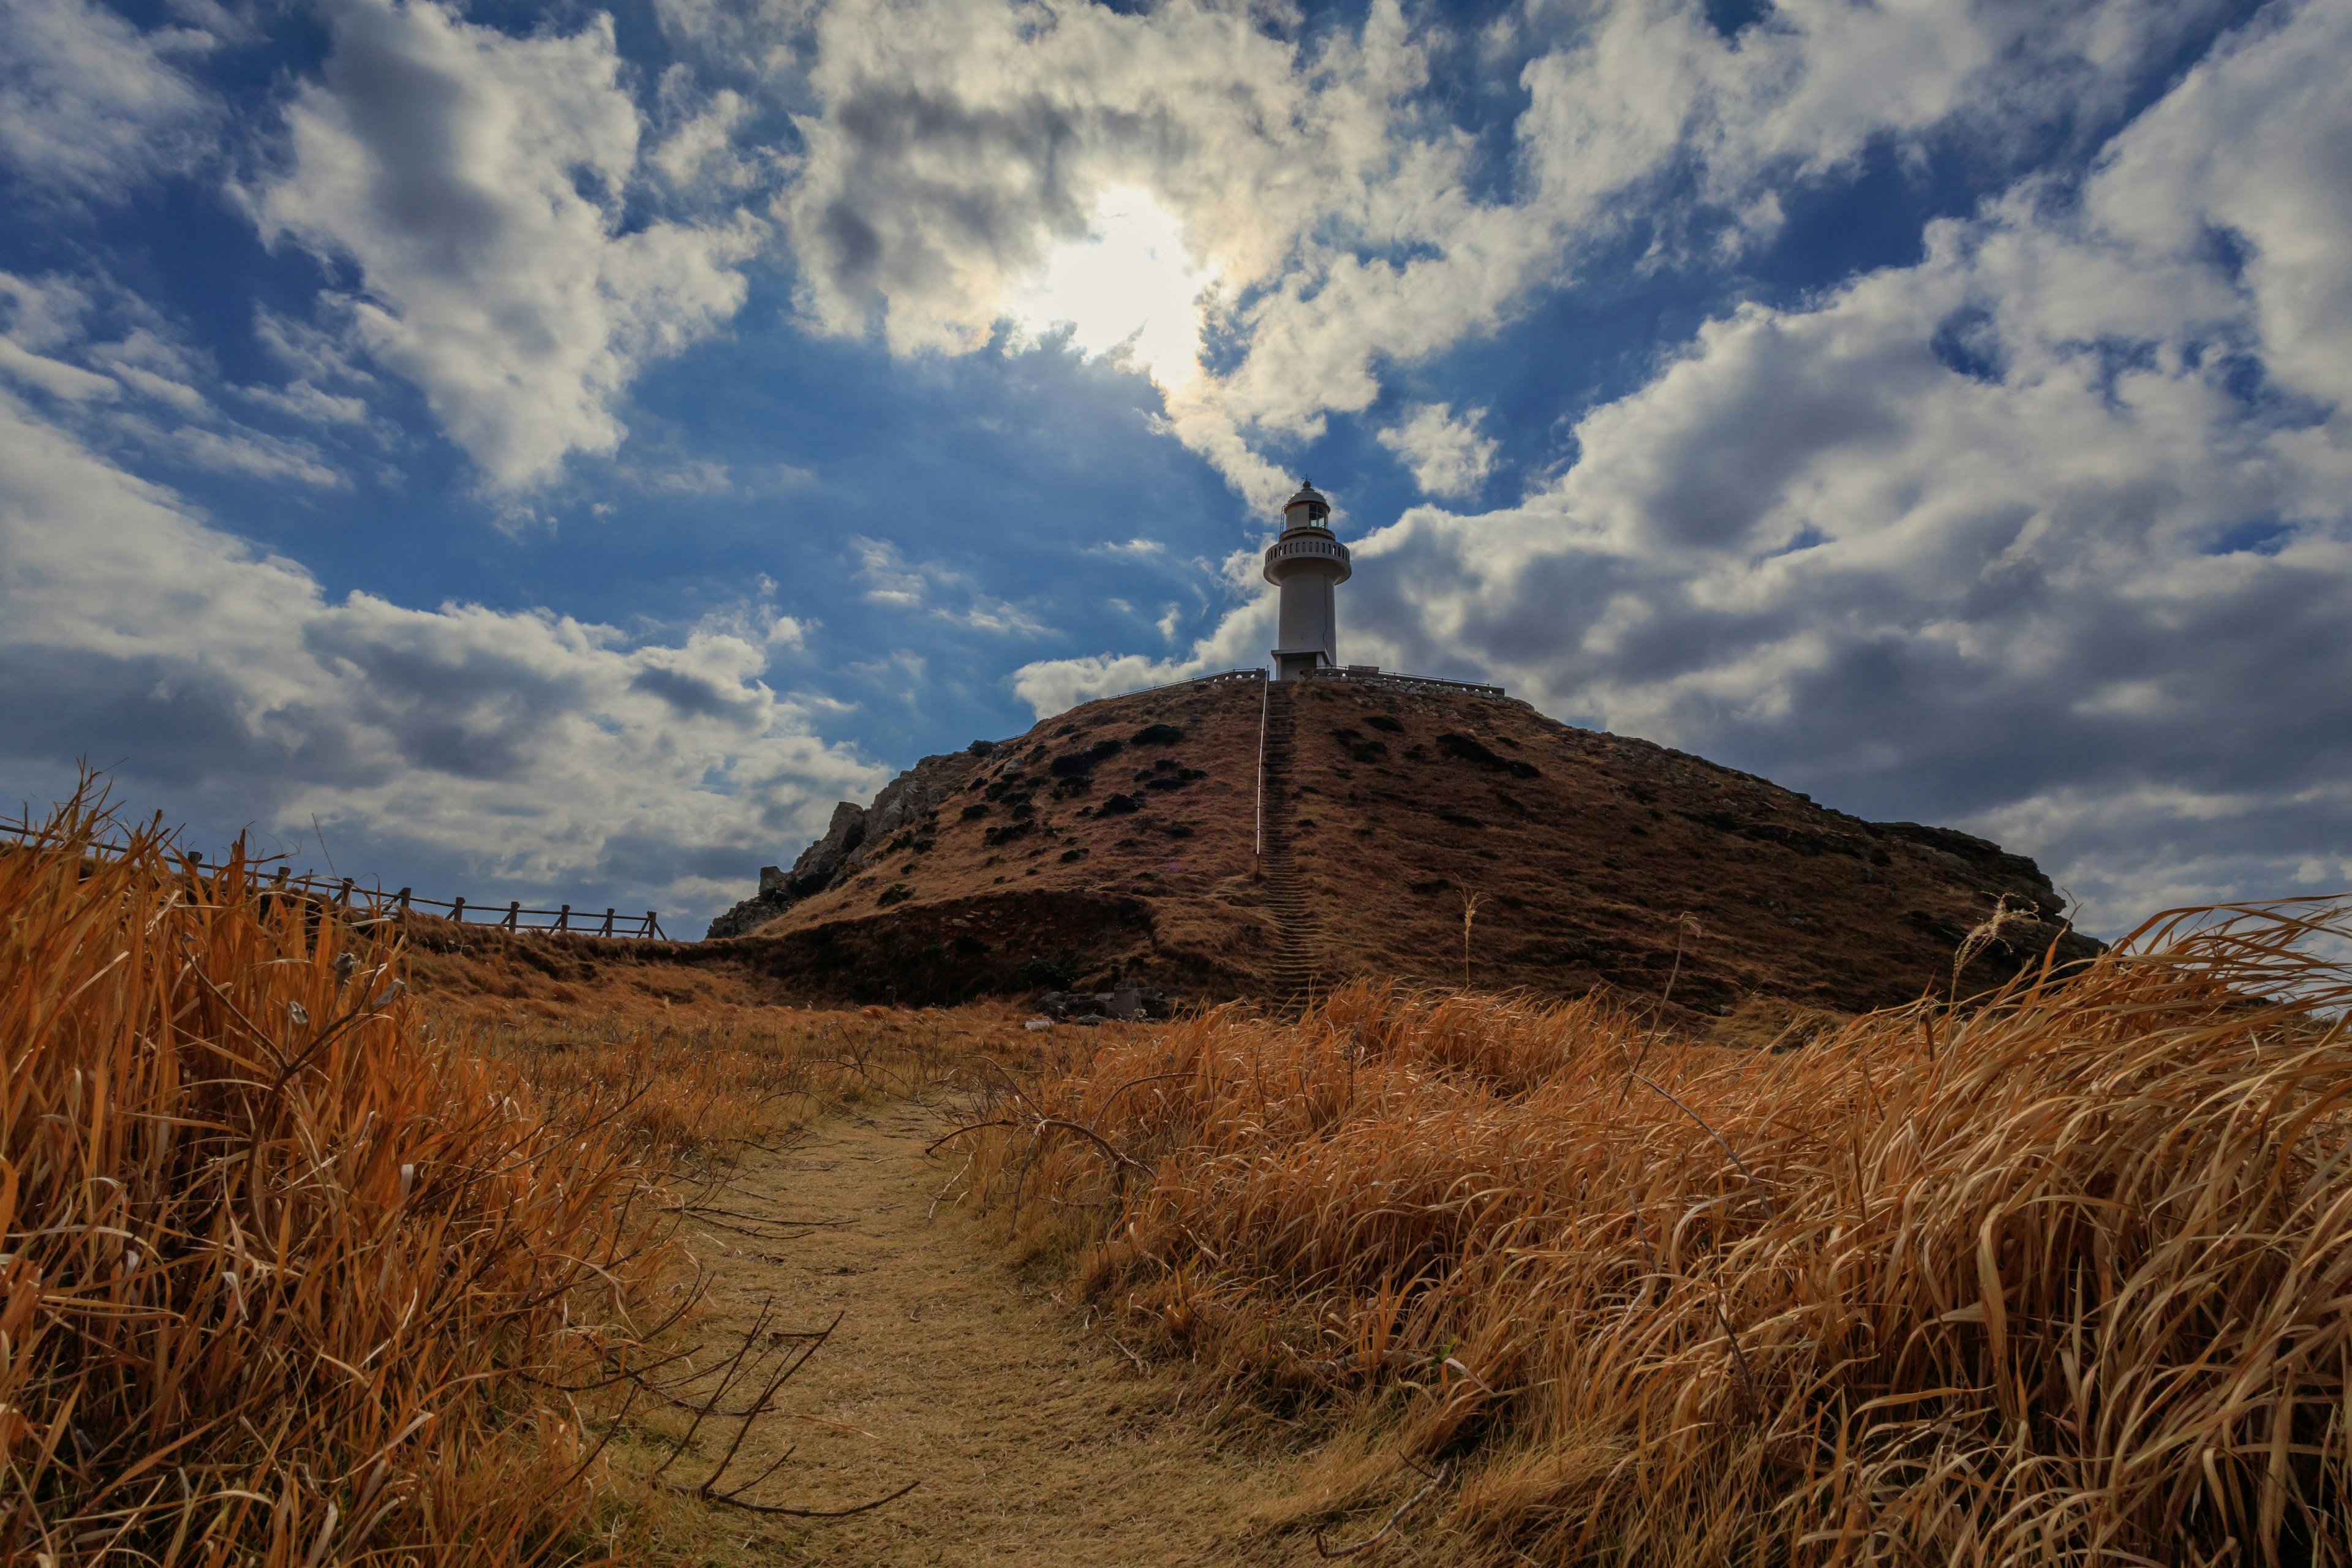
[(478, 181), (1447, 455), (956, 148)]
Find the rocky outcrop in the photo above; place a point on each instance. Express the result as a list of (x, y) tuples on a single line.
[(909, 801), (899, 817), (823, 860), (752, 913)]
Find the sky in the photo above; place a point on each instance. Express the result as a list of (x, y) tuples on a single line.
[(555, 452)]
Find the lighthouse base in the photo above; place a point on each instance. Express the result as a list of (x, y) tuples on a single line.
[(1298, 664)]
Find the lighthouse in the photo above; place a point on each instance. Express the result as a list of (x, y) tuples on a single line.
[(1307, 563)]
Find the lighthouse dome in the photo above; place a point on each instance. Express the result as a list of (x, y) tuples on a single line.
[(1308, 508)]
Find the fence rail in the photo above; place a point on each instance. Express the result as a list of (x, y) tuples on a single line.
[(1361, 675), (346, 894), (1394, 681)]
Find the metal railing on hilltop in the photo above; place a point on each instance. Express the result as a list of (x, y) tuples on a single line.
[(1368, 675), (1359, 674), (347, 893)]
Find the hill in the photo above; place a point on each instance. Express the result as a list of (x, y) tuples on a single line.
[(1121, 840)]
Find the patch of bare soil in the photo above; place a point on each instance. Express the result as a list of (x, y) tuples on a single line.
[(1034, 1439)]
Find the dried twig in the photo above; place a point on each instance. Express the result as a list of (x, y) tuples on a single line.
[(1324, 1548)]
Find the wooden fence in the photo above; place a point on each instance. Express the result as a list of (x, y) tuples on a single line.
[(346, 894), (344, 891)]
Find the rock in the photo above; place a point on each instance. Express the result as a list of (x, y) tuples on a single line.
[(854, 833), (1128, 1002), (920, 789), (1064, 1005), (857, 833), (822, 861), (753, 912)]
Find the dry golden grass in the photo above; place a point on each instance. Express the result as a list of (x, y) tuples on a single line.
[(2063, 1278), (300, 1265), (707, 1088), (720, 1056), (287, 1280)]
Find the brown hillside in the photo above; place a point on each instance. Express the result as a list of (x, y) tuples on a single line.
[(1118, 840)]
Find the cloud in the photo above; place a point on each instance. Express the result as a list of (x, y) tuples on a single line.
[(520, 747), (124, 376), (90, 106), (700, 147), (43, 316), (2264, 166), (479, 183), (2046, 535), (956, 151), (54, 376), (300, 400), (263, 457), (1447, 455), (890, 579), (1054, 685)]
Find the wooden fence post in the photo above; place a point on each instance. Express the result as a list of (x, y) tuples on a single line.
[(563, 920), (404, 900), (458, 911), (652, 925), (608, 924), (343, 895), (514, 911)]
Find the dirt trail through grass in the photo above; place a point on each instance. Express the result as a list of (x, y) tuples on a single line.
[(1035, 1440)]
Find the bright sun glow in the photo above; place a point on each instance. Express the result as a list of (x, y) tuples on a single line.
[(1128, 284)]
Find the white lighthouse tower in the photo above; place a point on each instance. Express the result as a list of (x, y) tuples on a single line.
[(1307, 563)]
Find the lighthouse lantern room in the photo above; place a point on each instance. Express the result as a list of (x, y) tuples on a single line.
[(1307, 563)]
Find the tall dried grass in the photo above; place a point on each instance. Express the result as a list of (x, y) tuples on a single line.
[(2063, 1278), (287, 1280), (712, 1088)]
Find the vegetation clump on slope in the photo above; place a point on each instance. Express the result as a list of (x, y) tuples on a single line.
[(2058, 1278), (287, 1279)]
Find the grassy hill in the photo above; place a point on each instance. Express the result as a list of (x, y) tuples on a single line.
[(1119, 840)]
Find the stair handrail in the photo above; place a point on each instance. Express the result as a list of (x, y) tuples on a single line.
[(1257, 852)]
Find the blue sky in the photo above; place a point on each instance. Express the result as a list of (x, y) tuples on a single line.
[(561, 450)]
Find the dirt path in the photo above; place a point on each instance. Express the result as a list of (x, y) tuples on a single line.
[(1035, 1442)]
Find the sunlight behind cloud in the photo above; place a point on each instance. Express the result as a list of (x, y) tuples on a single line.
[(1129, 285)]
